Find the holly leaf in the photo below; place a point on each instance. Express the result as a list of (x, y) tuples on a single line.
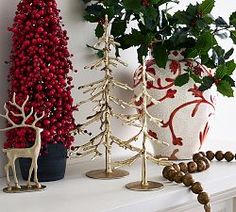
[(206, 6), (149, 17), (207, 82), (142, 51), (118, 27), (99, 31), (191, 53), (230, 67), (229, 53), (206, 41), (232, 19), (195, 78), (233, 36), (221, 71), (229, 80), (160, 55), (220, 22), (95, 9), (182, 79), (132, 4), (182, 17), (224, 87), (134, 39), (91, 18)]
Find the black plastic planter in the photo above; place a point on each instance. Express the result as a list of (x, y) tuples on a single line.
[(51, 167)]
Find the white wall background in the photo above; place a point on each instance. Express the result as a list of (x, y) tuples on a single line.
[(222, 134)]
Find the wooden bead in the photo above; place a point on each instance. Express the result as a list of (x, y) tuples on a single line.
[(203, 198), (196, 188), (183, 167), (188, 180), (170, 174), (210, 155), (203, 153), (178, 178), (197, 157), (207, 207), (192, 167), (206, 161), (219, 155), (229, 156), (176, 167), (165, 171), (201, 165)]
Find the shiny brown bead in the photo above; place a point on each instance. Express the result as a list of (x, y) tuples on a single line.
[(196, 188), (210, 155), (170, 174), (207, 207), (206, 161), (188, 180), (192, 167), (178, 178), (197, 157), (203, 198), (183, 167), (201, 165), (165, 171), (203, 153), (219, 155), (176, 167), (229, 156)]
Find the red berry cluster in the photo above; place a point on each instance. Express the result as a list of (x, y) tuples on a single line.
[(40, 63)]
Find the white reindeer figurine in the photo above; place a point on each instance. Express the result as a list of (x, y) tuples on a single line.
[(14, 153)]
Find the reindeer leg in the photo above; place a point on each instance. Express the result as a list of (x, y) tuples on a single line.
[(7, 176), (30, 174), (14, 173), (36, 174)]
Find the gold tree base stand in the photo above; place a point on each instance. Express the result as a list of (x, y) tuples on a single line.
[(23, 189), (103, 175), (138, 186)]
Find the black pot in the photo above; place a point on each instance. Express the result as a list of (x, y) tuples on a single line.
[(51, 166)]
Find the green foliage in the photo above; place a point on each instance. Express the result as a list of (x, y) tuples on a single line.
[(99, 31), (118, 27), (225, 88), (160, 54), (132, 4), (206, 6), (193, 29), (182, 79), (207, 82)]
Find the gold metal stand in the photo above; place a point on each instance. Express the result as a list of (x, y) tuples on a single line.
[(24, 188), (150, 186), (103, 175)]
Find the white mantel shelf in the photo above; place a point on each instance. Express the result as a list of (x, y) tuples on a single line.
[(81, 194)]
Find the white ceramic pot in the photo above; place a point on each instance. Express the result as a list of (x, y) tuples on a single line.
[(186, 111)]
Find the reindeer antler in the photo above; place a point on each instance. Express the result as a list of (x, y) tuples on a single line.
[(22, 114)]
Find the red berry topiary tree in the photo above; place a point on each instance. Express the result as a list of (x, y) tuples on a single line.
[(40, 63)]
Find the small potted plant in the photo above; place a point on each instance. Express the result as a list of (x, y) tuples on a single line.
[(185, 58), (40, 64)]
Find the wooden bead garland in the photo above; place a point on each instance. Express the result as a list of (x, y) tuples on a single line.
[(180, 173)]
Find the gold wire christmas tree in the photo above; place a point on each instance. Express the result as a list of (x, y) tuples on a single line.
[(141, 120), (100, 94)]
